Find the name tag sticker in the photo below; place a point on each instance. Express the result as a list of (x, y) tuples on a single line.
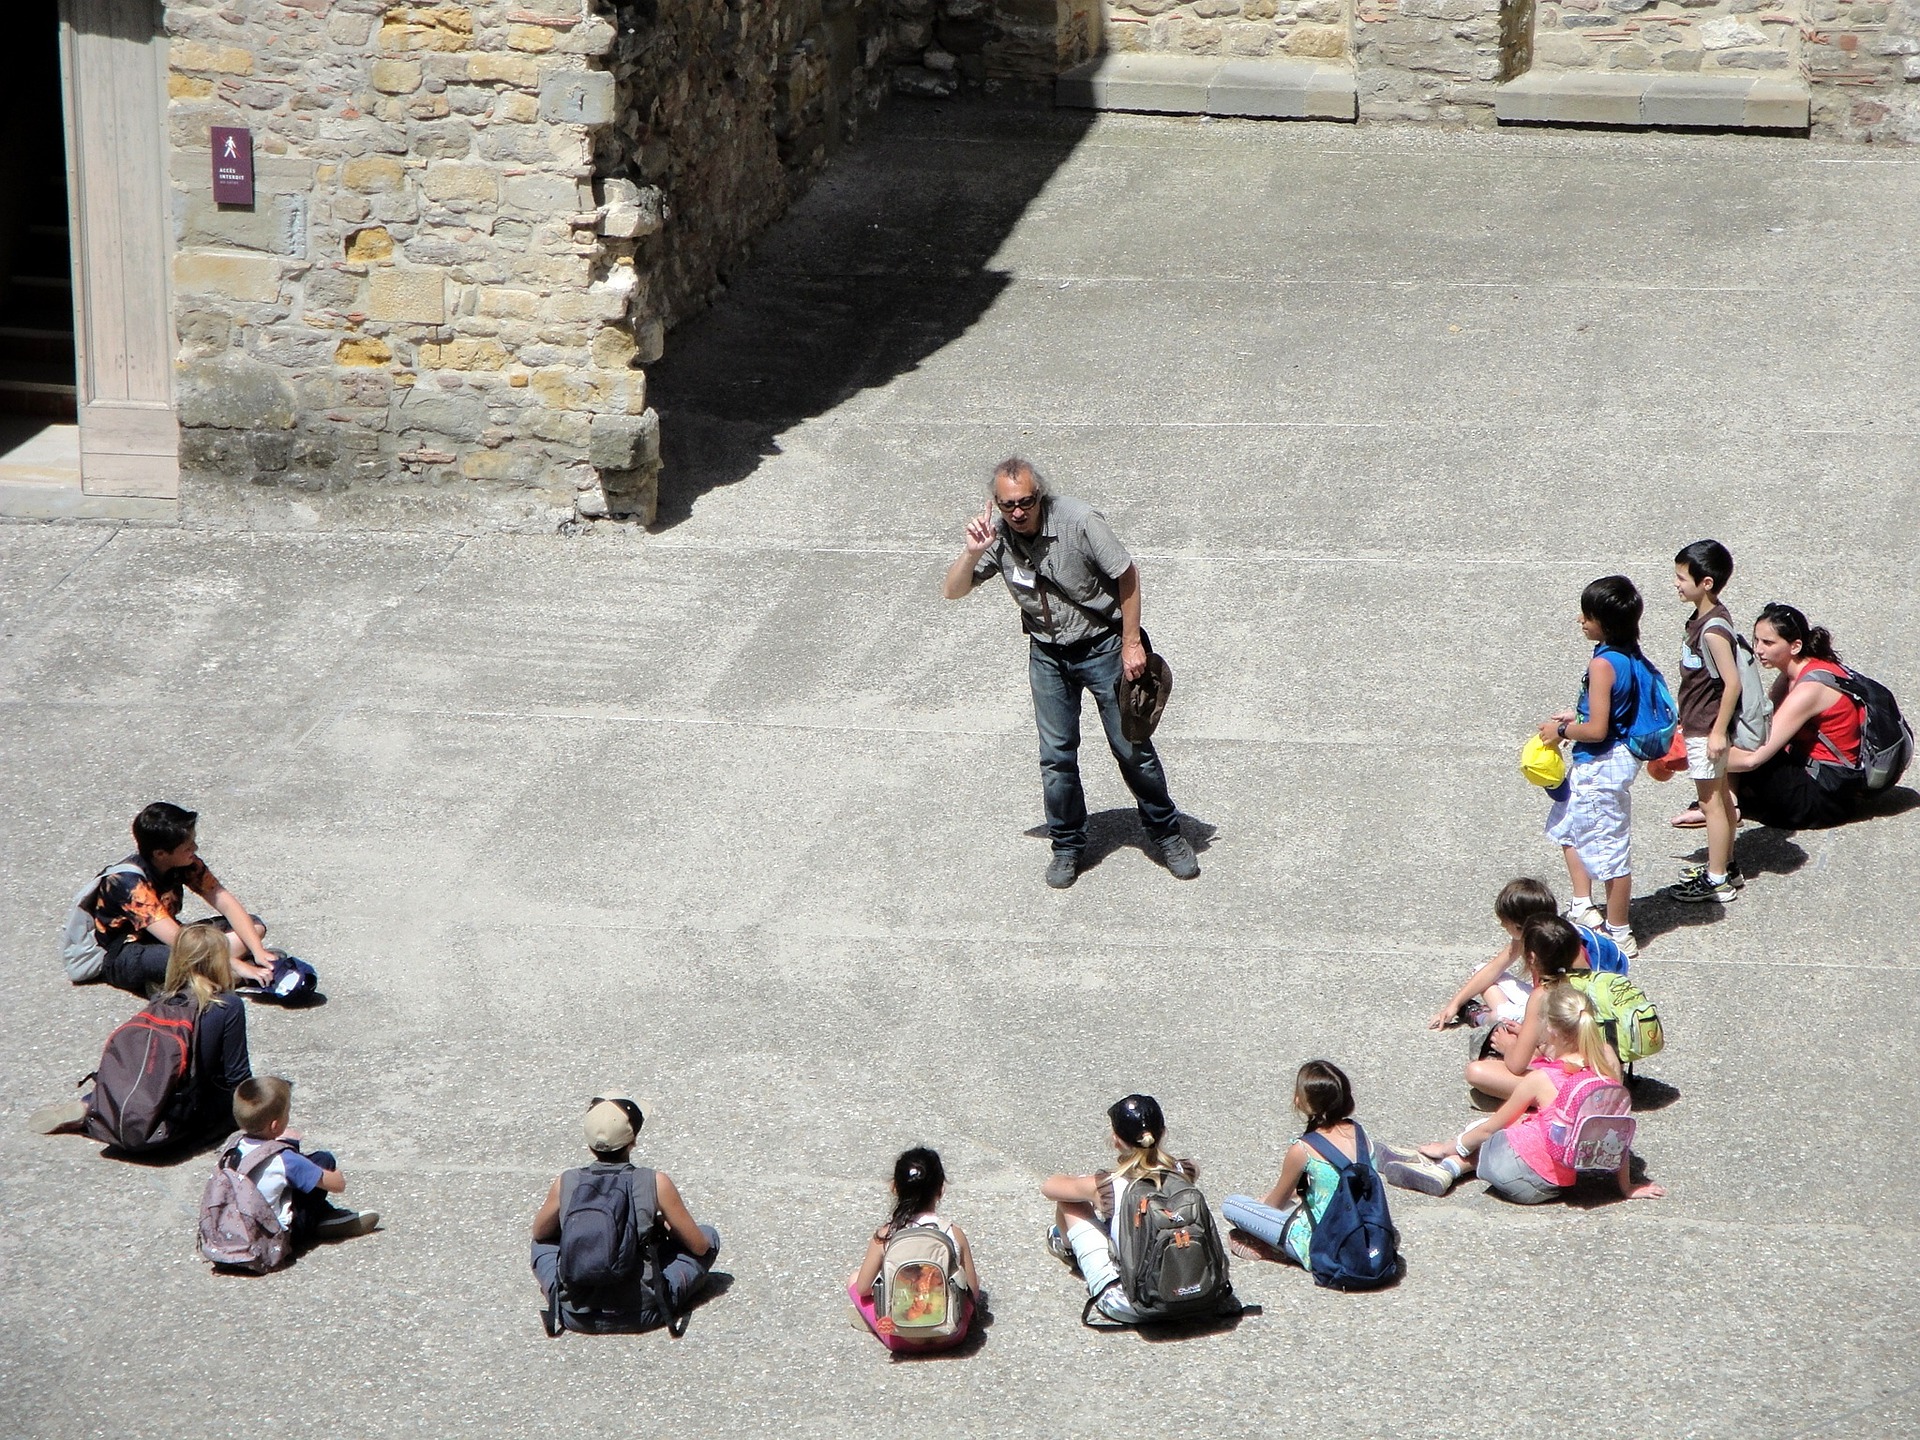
[(1022, 576)]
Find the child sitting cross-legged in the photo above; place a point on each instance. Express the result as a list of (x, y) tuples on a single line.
[(916, 1288), (294, 1185), (1279, 1225), (1523, 1151)]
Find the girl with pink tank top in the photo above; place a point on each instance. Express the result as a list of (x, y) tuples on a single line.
[(1522, 1150)]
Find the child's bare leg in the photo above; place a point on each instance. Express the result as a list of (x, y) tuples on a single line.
[(1577, 877), (1619, 900), (1716, 803), (1493, 1078)]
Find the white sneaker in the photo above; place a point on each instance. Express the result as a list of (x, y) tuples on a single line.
[(1585, 913), (1623, 937)]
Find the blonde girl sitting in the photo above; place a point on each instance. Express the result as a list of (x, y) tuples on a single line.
[(1523, 1149)]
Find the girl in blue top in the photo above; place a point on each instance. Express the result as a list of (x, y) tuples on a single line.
[(1279, 1225), (1593, 824)]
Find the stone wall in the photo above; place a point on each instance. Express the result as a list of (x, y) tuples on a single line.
[(1695, 36), (725, 109), (1434, 60), (1863, 57), (1229, 27), (937, 46), (473, 224)]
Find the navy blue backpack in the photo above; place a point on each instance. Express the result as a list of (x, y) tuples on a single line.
[(1354, 1245)]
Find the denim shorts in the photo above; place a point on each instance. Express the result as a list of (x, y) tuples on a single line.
[(1510, 1176)]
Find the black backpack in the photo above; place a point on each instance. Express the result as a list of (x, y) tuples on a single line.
[(610, 1237), (1354, 1245), (1886, 740), (1172, 1265)]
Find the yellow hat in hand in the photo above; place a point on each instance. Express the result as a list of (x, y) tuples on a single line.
[(1541, 763)]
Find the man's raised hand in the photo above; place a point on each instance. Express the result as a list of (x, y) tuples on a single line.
[(980, 532)]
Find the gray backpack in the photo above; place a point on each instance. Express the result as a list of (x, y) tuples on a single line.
[(1749, 728), (1168, 1252), (79, 941), (238, 1229)]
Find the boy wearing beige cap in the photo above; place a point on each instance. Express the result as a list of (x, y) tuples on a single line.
[(615, 1248)]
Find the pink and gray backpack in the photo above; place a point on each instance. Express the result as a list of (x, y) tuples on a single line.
[(238, 1229)]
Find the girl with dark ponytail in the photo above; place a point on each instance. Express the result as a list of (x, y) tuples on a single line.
[(1279, 1225), (919, 1182), (1807, 772)]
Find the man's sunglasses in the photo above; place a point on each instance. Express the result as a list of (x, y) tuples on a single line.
[(1019, 502)]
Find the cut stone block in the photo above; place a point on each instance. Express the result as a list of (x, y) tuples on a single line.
[(1193, 85), (1696, 100), (1721, 102)]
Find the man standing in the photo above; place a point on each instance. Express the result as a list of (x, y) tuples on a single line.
[(1079, 597)]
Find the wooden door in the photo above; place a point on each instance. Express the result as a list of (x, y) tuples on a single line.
[(113, 56)]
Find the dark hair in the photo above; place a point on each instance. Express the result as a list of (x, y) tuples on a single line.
[(1520, 900), (1707, 560), (1614, 605), (1137, 1119), (1816, 641), (918, 1179), (1324, 1094), (162, 827), (1552, 943)]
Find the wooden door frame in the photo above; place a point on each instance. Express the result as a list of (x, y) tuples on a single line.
[(128, 447)]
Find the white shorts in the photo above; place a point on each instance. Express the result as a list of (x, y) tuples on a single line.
[(1699, 767), (1596, 818)]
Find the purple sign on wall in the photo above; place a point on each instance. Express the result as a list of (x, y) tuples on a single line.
[(232, 165)]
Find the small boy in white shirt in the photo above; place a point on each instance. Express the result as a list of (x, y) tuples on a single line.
[(295, 1186)]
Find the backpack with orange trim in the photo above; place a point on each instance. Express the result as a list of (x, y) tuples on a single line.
[(146, 1066)]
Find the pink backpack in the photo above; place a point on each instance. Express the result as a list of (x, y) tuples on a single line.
[(238, 1229), (1595, 1131)]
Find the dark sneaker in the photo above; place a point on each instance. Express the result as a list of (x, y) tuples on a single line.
[(1177, 855), (1697, 889), (63, 1118), (1063, 869), (1698, 867), (346, 1225)]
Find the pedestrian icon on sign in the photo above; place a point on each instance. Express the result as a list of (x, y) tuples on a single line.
[(232, 153)]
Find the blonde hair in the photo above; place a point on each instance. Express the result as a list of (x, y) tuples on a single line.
[(1569, 1015), (1143, 1160), (199, 965), (260, 1100)]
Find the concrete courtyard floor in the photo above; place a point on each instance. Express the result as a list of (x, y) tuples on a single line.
[(740, 815)]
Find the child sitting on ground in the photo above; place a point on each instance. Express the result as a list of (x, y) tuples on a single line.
[(1523, 1150), (1499, 1056), (1593, 825), (294, 1185), (136, 905), (941, 1276), (1497, 992), (1279, 1225)]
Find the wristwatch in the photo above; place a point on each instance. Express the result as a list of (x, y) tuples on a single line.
[(1562, 728)]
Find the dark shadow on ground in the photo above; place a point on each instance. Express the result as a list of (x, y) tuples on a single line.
[(882, 264), (1648, 1093), (1759, 851), (1111, 830), (1193, 1329)]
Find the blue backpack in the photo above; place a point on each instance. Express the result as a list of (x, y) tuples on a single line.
[(1651, 720), (1603, 954), (1354, 1244)]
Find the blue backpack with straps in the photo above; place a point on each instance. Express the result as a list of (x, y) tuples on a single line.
[(1650, 719), (1354, 1244)]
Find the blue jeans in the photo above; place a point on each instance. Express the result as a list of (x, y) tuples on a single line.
[(312, 1206), (1058, 676), (685, 1274), (1267, 1224)]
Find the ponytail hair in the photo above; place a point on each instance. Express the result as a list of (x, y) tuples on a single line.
[(1322, 1093), (1570, 1015), (1815, 641), (1551, 944), (918, 1179), (1140, 1127)]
